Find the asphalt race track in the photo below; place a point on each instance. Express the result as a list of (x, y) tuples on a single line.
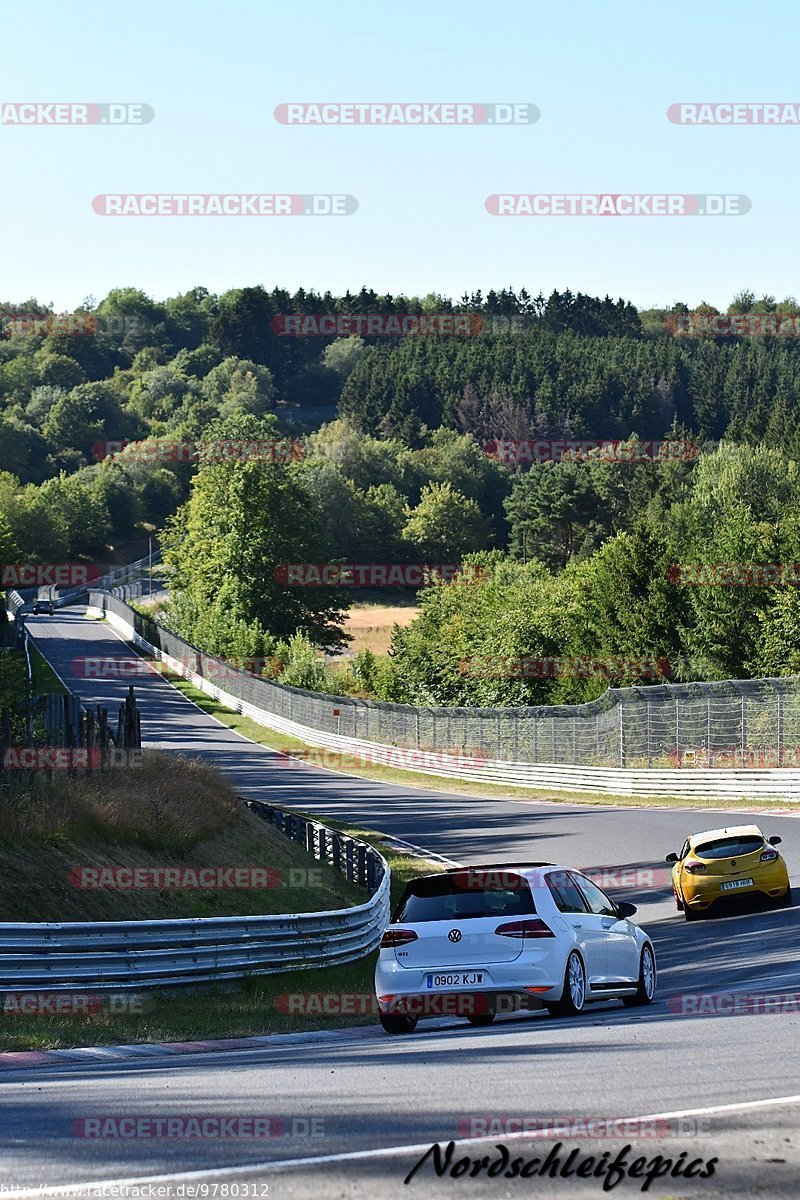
[(359, 1109)]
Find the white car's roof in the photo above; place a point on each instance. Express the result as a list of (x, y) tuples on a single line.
[(732, 831)]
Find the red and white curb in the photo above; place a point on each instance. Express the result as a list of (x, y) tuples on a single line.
[(24, 1059)]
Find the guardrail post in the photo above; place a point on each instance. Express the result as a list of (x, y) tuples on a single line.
[(336, 846), (361, 859)]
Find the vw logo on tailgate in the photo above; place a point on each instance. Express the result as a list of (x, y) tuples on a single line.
[(454, 935)]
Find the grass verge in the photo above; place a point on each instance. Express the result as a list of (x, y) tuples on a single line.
[(44, 678), (62, 838), (291, 1002)]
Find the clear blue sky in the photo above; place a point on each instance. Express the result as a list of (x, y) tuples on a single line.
[(603, 76)]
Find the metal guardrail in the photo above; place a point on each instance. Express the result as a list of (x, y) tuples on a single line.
[(118, 577), (120, 955), (506, 746)]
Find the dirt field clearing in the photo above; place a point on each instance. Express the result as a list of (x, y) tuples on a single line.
[(371, 625)]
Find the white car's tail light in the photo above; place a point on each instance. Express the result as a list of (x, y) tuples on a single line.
[(397, 937), (533, 927)]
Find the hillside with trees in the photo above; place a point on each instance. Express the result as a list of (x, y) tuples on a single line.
[(393, 465)]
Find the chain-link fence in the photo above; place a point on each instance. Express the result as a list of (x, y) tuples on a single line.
[(745, 723)]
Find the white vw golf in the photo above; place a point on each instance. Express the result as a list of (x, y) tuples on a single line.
[(475, 941)]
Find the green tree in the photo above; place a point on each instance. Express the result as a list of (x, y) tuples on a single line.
[(445, 525), (244, 522)]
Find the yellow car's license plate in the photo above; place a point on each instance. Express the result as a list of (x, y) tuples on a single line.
[(735, 883)]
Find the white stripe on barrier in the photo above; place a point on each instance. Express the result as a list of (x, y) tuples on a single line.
[(780, 784)]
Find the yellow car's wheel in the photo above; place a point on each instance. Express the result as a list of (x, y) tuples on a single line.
[(689, 914)]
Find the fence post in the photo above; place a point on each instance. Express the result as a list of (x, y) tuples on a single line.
[(708, 730), (621, 736), (677, 734), (744, 729), (649, 747), (780, 727)]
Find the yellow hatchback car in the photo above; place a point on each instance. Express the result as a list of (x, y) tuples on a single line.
[(726, 862)]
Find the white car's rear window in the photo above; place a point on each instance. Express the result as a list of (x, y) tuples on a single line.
[(447, 897)]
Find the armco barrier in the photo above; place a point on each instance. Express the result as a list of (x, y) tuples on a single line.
[(117, 577), (119, 955), (687, 783)]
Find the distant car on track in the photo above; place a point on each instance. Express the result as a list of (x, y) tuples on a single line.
[(727, 862), (475, 941), (43, 608)]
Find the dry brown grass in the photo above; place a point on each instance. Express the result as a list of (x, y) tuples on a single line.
[(168, 803), (169, 812), (371, 625)]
